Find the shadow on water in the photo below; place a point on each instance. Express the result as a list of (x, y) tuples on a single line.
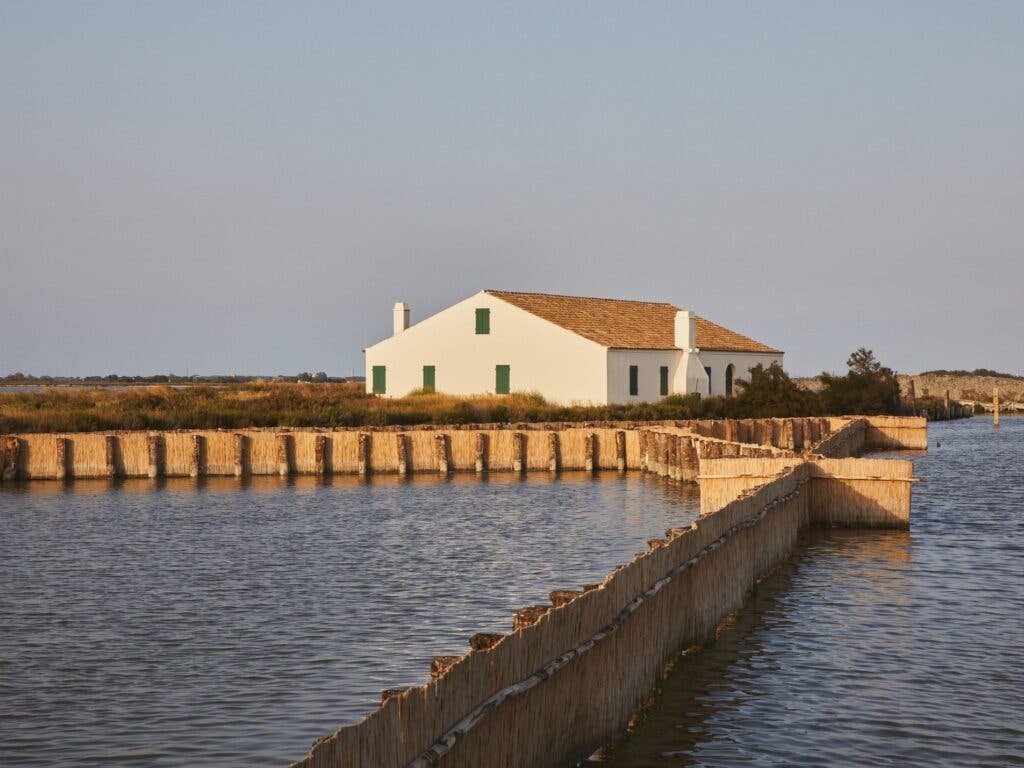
[(233, 621), (870, 647), (706, 684), (275, 483)]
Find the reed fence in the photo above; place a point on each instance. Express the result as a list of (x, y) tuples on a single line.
[(662, 447), (567, 676)]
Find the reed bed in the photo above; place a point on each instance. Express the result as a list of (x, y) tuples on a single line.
[(288, 405), (306, 404)]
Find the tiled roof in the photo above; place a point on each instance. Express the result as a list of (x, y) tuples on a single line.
[(627, 324)]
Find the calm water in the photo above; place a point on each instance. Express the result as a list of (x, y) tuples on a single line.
[(221, 623), (884, 648)]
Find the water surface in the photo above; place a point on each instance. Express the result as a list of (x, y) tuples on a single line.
[(223, 622), (871, 648)]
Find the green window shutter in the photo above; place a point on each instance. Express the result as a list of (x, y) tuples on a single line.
[(428, 378), (502, 378), (664, 380), (634, 380), (379, 380), (483, 320), (707, 370)]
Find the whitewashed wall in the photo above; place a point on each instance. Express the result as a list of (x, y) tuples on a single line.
[(543, 357), (649, 361), (744, 361)]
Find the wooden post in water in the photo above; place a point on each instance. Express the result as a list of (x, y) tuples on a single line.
[(588, 450), (945, 405), (813, 432), (403, 463), (664, 454), (109, 444), (688, 459), (11, 451), (788, 439), (441, 452), (798, 433), (553, 450), (284, 455), (154, 454), (196, 468), (481, 452), (620, 450), (518, 452), (995, 407), (363, 453), (320, 455), (62, 458), (239, 454)]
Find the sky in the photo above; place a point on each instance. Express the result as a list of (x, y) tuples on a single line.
[(246, 187)]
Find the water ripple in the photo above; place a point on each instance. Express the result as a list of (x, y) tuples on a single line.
[(219, 622), (871, 647)]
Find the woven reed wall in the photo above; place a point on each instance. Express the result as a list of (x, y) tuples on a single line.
[(586, 703), (345, 451), (855, 493), (500, 449), (37, 458), (262, 452), (896, 433), (177, 454), (847, 439), (131, 454), (86, 454), (723, 480), (861, 493), (220, 453)]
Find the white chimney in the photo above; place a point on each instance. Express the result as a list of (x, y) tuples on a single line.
[(401, 312), (686, 329)]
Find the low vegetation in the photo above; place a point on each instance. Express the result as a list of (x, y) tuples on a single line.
[(976, 372), (867, 388)]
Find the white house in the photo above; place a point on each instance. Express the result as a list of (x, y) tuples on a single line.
[(570, 349)]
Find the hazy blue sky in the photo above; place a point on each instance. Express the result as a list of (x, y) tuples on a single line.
[(248, 187)]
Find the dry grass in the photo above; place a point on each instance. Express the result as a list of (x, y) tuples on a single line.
[(287, 405)]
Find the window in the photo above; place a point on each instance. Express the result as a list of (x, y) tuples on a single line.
[(428, 378), (664, 380), (634, 380), (502, 378), (730, 371), (379, 380), (707, 370), (483, 320)]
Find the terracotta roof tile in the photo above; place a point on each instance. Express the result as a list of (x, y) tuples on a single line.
[(627, 324)]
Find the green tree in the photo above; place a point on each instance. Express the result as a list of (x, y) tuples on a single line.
[(867, 388), (769, 393), (863, 362)]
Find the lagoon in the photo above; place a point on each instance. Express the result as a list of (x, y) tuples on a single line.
[(224, 621)]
